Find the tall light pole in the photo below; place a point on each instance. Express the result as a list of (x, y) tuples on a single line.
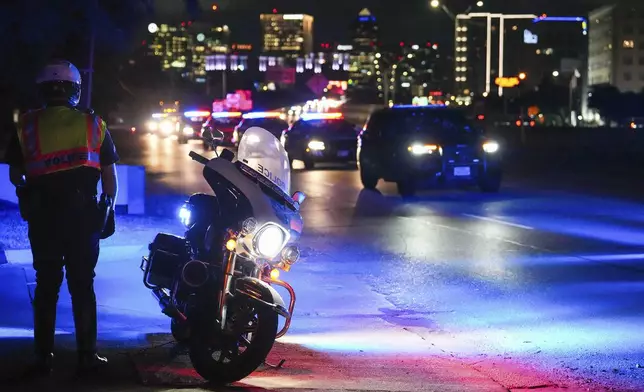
[(89, 71)]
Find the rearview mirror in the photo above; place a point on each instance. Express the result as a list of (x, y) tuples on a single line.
[(211, 135), (299, 197)]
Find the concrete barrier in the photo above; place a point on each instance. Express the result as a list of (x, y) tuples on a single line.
[(130, 200)]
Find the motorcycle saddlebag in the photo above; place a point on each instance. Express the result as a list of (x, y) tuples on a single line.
[(167, 253)]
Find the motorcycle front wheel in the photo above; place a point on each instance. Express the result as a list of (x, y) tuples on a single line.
[(231, 358)]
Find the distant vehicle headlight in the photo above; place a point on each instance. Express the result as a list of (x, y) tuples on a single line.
[(152, 126), (490, 147), (316, 145), (270, 240), (166, 127), (187, 130), (423, 149)]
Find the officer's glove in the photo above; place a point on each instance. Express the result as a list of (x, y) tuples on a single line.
[(107, 225)]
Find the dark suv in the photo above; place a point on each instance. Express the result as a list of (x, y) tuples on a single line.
[(420, 146)]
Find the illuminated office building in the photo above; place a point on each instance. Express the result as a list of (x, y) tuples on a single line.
[(289, 35), (365, 38), (215, 41), (184, 48), (171, 44), (616, 47)]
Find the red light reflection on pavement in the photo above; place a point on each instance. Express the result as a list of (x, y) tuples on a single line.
[(309, 369)]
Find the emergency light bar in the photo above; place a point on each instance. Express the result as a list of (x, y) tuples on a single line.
[(434, 105), (197, 113), (226, 114), (321, 116), (260, 115)]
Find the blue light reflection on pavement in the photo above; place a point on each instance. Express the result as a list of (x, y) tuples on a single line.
[(561, 293)]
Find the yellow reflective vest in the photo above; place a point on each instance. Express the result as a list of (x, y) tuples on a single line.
[(60, 138)]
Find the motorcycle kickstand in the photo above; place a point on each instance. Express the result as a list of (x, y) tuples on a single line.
[(278, 366)]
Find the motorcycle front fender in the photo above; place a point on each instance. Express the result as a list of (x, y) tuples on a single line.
[(262, 294)]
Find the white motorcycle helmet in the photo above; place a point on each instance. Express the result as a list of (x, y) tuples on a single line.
[(60, 81)]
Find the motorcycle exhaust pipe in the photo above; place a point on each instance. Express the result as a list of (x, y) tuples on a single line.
[(167, 307)]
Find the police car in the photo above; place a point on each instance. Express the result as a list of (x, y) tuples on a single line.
[(225, 122), (271, 121), (192, 124), (164, 124), (321, 138)]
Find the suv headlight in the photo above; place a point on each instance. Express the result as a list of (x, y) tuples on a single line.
[(424, 149), (490, 147), (269, 240), (316, 145)]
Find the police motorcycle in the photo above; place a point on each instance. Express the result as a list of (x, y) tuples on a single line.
[(216, 283)]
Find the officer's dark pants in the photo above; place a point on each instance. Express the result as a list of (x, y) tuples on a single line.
[(59, 241)]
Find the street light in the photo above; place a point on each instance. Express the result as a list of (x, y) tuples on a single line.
[(555, 73), (522, 76), (435, 3), (479, 4), (153, 28)]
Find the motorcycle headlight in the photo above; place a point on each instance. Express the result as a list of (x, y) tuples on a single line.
[(270, 240), (491, 147), (185, 215)]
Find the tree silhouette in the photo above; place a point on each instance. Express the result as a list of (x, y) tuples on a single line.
[(35, 31)]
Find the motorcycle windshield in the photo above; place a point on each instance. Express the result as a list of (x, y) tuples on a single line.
[(263, 153)]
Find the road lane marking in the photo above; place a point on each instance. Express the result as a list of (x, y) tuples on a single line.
[(485, 218)]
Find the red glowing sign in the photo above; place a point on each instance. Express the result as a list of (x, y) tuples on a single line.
[(240, 100)]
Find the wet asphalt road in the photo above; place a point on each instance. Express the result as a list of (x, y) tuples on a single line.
[(548, 277)]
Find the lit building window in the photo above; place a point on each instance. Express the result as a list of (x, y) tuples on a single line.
[(629, 43)]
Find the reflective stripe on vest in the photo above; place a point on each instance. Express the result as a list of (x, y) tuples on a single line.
[(59, 139)]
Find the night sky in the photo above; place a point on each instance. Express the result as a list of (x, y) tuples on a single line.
[(413, 21)]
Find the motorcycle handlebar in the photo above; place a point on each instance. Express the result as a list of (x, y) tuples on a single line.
[(199, 158)]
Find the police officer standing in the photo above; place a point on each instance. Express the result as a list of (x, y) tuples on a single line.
[(56, 160)]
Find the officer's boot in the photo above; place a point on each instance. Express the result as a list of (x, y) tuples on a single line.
[(44, 329), (85, 322)]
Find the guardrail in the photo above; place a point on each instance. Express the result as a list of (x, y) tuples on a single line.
[(131, 196)]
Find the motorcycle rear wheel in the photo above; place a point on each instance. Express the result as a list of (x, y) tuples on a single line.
[(239, 365)]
